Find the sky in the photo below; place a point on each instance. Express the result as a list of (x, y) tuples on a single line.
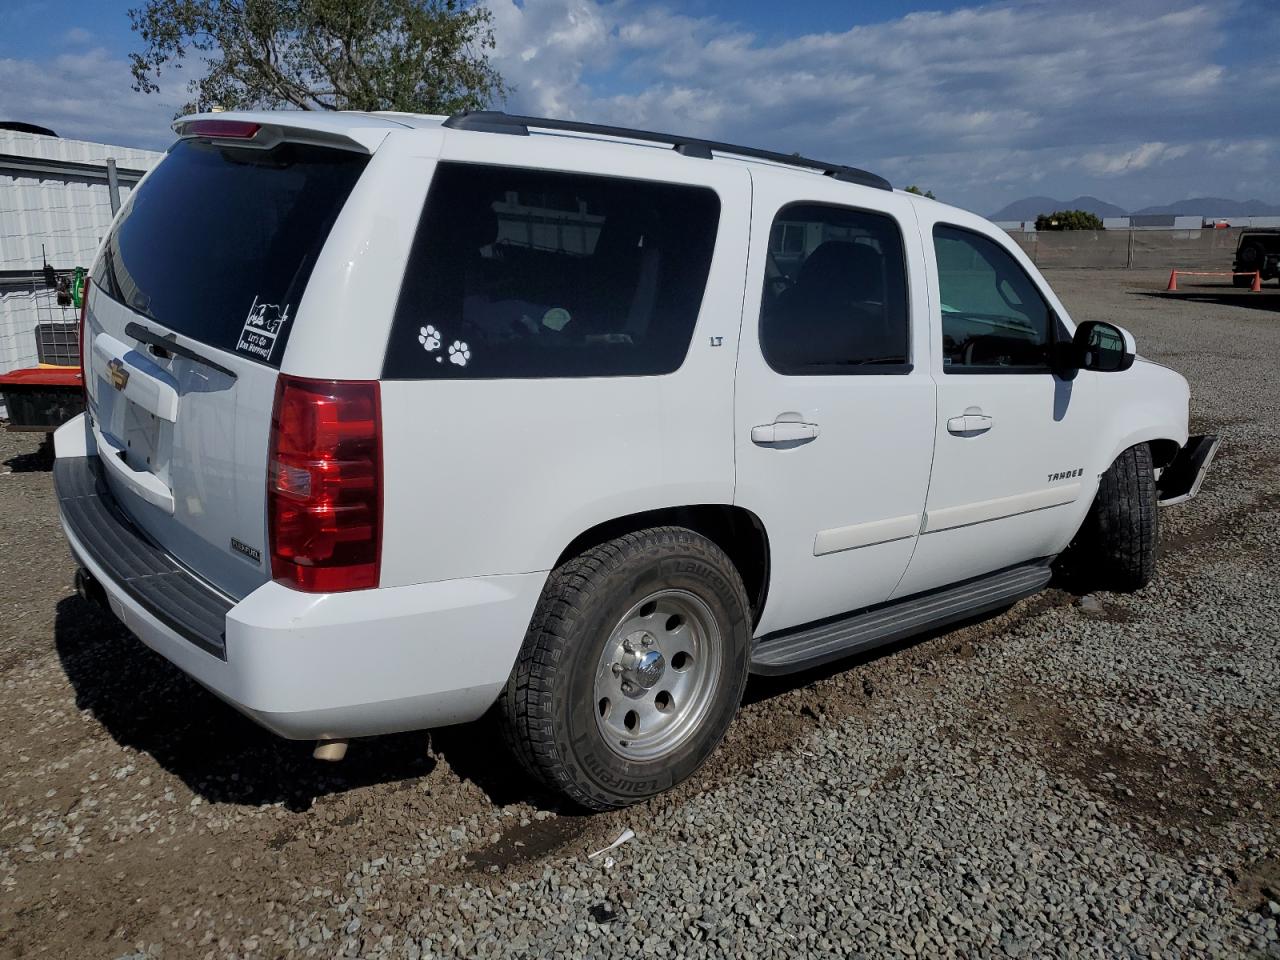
[(1138, 102)]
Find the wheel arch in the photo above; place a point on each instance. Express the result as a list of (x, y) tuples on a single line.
[(735, 530), (1164, 447)]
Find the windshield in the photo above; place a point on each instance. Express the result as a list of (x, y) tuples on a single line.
[(218, 242)]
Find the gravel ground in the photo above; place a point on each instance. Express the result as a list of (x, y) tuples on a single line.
[(1081, 775)]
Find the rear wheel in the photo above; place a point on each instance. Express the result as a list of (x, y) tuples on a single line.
[(632, 669), (1116, 547), (1250, 257), (1242, 280)]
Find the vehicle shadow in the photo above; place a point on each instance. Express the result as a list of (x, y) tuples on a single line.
[(146, 703), (1218, 293), (39, 460)]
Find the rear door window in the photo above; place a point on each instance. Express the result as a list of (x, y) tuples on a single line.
[(835, 293), (218, 243), (536, 274)]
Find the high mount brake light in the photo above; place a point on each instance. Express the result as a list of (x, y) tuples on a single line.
[(324, 484), (222, 129)]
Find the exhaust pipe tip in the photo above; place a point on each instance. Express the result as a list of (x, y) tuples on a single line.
[(90, 589), (330, 751)]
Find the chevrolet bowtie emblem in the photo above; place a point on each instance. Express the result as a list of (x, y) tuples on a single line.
[(119, 373)]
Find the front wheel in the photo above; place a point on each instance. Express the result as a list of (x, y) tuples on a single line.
[(632, 669), (1116, 546)]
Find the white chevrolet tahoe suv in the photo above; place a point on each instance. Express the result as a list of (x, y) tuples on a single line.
[(392, 419)]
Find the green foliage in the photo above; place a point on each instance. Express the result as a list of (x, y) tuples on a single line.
[(921, 193), (421, 56), (1068, 220)]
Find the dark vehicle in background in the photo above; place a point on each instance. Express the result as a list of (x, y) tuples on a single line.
[(1258, 250)]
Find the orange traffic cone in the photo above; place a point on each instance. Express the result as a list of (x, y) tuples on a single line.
[(1173, 280), (1257, 282)]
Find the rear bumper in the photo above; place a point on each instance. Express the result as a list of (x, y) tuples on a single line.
[(312, 665), (1181, 479)]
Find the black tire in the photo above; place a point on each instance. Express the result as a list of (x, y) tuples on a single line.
[(1116, 546), (549, 708), (1242, 281), (1251, 256)]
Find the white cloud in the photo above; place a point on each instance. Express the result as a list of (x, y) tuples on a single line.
[(977, 102), (1126, 161), (86, 95), (544, 50)]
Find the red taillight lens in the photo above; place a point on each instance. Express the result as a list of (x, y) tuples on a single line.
[(84, 310), (222, 129), (324, 484)]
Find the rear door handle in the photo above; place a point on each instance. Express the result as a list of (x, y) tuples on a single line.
[(783, 431), (970, 423)]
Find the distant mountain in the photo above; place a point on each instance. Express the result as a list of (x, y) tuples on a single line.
[(1214, 207), (1029, 208)]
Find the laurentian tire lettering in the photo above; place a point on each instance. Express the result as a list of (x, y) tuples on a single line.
[(607, 778)]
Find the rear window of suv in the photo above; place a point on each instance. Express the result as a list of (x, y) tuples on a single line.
[(533, 274), (218, 242)]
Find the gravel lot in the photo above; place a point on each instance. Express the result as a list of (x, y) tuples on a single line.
[(1081, 775)]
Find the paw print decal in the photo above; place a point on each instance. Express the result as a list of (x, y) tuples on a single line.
[(459, 353), (429, 337)]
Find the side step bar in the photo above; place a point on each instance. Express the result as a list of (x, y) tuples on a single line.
[(1180, 480), (816, 644)]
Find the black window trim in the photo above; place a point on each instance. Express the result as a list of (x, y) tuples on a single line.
[(1055, 322), (495, 165), (867, 370), (102, 268)]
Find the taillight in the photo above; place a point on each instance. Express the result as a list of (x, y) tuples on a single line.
[(84, 309), (324, 484)]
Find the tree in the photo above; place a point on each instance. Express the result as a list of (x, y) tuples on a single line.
[(921, 193), (1068, 220), (420, 56)]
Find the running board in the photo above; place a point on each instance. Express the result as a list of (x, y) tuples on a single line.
[(816, 644)]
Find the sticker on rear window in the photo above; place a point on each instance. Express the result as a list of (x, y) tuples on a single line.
[(262, 327)]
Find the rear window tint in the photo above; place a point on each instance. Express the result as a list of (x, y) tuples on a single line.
[(219, 242), (533, 274)]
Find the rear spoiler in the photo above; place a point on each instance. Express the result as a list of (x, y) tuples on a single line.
[(264, 130)]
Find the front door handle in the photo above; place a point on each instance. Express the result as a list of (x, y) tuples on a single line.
[(783, 432), (970, 423)]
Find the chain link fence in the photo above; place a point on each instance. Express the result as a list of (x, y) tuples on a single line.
[(1146, 249)]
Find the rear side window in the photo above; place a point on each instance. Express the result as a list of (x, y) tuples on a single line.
[(994, 318), (219, 242), (533, 274), (835, 293)]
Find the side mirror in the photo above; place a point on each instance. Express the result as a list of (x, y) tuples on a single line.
[(1103, 347)]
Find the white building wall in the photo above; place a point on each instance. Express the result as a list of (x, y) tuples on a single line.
[(53, 216)]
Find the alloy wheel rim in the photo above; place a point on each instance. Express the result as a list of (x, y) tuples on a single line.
[(657, 676)]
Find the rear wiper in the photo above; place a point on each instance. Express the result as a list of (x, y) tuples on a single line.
[(169, 343)]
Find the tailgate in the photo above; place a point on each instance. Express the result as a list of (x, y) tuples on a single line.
[(194, 297)]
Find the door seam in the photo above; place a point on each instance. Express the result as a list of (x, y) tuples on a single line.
[(933, 448)]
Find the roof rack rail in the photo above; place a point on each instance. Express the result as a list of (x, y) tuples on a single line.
[(495, 121)]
